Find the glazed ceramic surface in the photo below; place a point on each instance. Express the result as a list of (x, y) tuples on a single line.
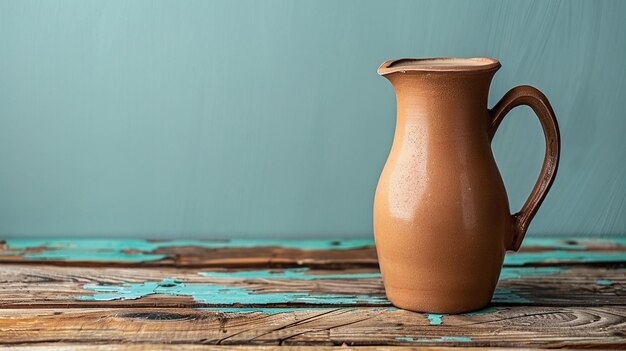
[(442, 222)]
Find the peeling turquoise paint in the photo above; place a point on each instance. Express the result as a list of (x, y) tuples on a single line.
[(141, 250), (219, 294), (294, 273), (435, 318), (605, 282), (523, 258), (228, 295), (440, 339)]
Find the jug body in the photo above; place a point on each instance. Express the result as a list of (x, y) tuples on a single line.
[(442, 222)]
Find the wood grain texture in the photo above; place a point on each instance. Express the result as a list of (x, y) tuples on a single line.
[(547, 327), (33, 286)]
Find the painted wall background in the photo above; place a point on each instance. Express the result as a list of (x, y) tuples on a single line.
[(213, 119)]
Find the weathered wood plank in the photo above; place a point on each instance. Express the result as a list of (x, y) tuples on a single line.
[(38, 286), (195, 347), (190, 253), (276, 253), (540, 327)]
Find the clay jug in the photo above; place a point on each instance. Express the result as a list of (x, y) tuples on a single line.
[(441, 216)]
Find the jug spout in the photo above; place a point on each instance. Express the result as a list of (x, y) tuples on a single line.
[(434, 78)]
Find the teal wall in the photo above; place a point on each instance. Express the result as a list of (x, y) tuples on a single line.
[(267, 119)]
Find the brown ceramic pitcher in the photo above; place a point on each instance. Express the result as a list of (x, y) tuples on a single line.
[(441, 216)]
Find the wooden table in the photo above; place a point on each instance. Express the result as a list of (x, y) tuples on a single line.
[(130, 294)]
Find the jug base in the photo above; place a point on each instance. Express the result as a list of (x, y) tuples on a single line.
[(448, 302)]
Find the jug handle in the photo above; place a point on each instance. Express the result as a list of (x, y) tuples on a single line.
[(527, 95)]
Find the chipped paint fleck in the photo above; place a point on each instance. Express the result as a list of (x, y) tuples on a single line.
[(293, 273), (440, 339), (435, 318), (604, 282), (219, 294)]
